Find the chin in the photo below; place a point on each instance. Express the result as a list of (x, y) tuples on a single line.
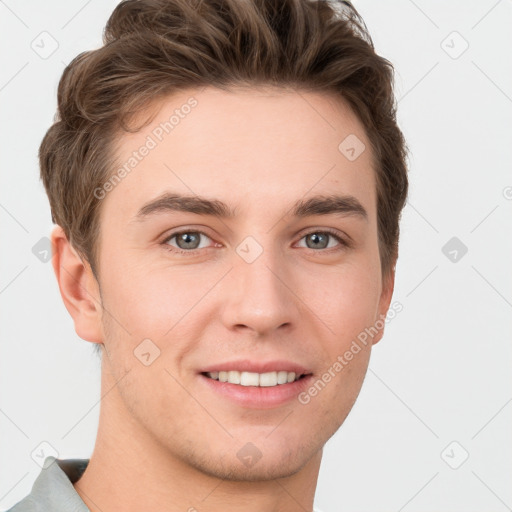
[(263, 460), (263, 470)]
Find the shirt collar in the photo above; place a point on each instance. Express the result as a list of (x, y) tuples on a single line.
[(54, 485)]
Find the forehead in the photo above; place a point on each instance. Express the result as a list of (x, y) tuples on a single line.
[(250, 147)]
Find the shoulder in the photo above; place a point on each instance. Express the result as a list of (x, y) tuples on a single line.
[(53, 489)]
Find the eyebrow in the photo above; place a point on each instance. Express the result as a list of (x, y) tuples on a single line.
[(343, 205)]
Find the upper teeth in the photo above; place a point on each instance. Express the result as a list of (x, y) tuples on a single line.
[(253, 379)]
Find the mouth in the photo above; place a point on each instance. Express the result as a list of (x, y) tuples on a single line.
[(243, 378), (256, 385)]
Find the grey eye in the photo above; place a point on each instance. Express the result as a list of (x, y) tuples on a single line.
[(187, 240), (318, 240)]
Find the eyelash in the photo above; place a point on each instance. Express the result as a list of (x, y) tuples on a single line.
[(344, 244)]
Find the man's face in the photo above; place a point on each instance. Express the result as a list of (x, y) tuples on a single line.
[(261, 291)]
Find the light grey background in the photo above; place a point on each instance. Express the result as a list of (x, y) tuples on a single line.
[(439, 385)]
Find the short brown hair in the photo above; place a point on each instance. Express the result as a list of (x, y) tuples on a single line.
[(153, 48)]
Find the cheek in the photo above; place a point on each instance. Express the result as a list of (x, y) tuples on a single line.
[(349, 307), (346, 301), (149, 302)]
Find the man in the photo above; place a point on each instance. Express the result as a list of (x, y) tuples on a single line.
[(227, 180)]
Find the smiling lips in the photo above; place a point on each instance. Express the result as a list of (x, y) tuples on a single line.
[(257, 384), (250, 373), (243, 378)]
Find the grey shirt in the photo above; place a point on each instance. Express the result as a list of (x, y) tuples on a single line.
[(53, 489)]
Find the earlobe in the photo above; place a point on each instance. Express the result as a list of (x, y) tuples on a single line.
[(78, 288), (384, 303)]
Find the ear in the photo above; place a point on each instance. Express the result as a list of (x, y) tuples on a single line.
[(388, 286), (78, 288)]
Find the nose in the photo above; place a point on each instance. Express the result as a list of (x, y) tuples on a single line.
[(260, 296)]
